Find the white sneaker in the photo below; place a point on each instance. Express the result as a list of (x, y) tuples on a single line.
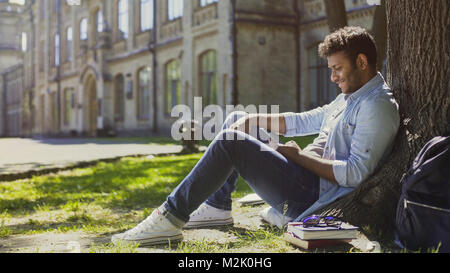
[(274, 218), (208, 216), (154, 230)]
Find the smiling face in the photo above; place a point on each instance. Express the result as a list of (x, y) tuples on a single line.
[(348, 76)]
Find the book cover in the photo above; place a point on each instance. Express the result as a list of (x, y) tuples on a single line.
[(311, 244), (345, 231)]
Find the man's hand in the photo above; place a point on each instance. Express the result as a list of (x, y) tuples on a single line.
[(290, 150), (319, 166)]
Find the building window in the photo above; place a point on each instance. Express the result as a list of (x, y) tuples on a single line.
[(84, 29), (173, 85), (67, 106), (69, 38), (144, 93), (208, 78), (57, 49), (41, 110), (99, 17), (54, 111), (123, 19), (207, 2), (24, 42), (119, 98), (321, 90), (174, 9), (146, 15)]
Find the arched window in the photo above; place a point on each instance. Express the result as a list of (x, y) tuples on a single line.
[(321, 89), (119, 98), (208, 78), (144, 80), (24, 42), (173, 85), (57, 50), (84, 29), (68, 93), (123, 19), (69, 38), (99, 19)]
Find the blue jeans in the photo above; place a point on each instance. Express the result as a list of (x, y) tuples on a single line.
[(284, 185)]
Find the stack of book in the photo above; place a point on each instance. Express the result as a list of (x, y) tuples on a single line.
[(319, 236)]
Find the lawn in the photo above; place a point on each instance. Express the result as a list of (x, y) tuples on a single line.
[(104, 199), (107, 198), (111, 197)]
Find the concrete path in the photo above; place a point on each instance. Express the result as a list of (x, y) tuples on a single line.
[(21, 155)]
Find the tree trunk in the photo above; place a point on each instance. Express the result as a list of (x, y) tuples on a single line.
[(336, 14), (418, 73)]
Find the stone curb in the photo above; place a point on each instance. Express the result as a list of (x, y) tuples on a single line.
[(8, 177)]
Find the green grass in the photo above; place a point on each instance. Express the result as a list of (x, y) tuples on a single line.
[(102, 199), (112, 197), (105, 198), (146, 140), (302, 141)]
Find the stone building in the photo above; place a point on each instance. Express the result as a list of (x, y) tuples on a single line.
[(119, 66), (14, 75)]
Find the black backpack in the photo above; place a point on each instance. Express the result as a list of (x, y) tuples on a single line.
[(423, 211)]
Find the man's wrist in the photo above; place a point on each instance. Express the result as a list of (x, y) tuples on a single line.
[(252, 120)]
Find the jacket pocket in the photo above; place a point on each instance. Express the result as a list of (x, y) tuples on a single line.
[(348, 128)]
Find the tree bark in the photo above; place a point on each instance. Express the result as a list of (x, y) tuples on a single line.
[(418, 73), (379, 31), (336, 14)]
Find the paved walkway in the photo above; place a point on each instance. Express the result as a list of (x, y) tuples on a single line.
[(21, 155)]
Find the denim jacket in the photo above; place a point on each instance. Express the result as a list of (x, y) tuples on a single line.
[(360, 130)]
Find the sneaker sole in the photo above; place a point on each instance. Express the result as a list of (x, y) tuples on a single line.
[(154, 241), (161, 240), (209, 223)]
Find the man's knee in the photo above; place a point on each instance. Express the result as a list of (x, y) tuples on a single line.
[(231, 136)]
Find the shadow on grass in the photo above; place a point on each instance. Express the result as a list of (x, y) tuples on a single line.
[(109, 140), (131, 183), (124, 184)]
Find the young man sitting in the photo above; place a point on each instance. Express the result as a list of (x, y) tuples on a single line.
[(356, 133)]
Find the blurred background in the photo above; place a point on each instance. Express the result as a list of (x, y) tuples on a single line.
[(117, 67)]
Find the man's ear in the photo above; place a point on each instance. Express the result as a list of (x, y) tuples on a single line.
[(362, 62)]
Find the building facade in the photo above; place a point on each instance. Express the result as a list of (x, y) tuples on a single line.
[(119, 66)]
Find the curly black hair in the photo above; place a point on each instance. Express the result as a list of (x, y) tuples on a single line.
[(353, 41)]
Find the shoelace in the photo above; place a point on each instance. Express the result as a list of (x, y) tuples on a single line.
[(201, 210), (142, 226)]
